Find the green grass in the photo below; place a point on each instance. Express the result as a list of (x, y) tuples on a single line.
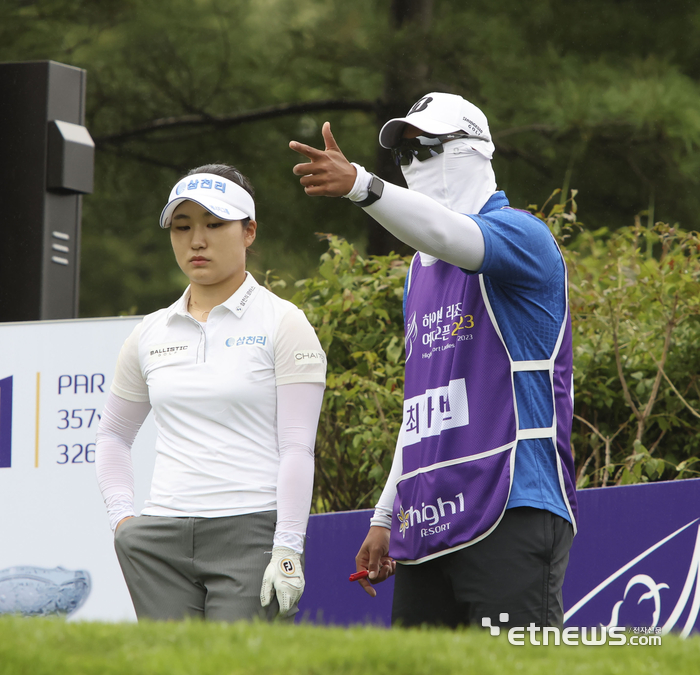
[(55, 647)]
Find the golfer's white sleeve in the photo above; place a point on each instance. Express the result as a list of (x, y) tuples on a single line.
[(422, 223), (298, 410), (385, 506), (120, 422)]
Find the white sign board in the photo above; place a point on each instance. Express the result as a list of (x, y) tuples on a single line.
[(54, 381)]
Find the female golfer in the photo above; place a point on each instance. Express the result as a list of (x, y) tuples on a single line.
[(235, 378)]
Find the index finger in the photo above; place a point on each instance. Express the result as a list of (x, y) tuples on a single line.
[(306, 150)]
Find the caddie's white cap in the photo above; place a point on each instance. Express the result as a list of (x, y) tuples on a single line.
[(218, 195), (438, 113)]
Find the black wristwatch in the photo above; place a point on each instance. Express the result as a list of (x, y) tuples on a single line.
[(376, 187)]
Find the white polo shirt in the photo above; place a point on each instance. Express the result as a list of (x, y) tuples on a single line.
[(212, 388)]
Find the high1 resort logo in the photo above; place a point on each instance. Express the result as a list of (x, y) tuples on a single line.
[(430, 515)]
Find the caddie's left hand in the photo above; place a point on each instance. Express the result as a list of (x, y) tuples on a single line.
[(284, 578), (328, 173)]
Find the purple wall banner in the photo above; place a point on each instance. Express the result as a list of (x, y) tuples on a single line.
[(332, 542), (6, 423), (635, 562)]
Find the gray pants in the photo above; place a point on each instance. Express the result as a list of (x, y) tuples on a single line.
[(211, 568)]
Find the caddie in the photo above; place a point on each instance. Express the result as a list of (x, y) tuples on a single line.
[(479, 510)]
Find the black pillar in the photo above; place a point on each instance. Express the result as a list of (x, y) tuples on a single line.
[(46, 165)]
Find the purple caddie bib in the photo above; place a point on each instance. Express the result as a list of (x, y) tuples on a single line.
[(460, 427)]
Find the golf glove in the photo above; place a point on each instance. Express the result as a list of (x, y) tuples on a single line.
[(283, 577)]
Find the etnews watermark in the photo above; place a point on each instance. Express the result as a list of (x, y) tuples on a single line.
[(597, 635)]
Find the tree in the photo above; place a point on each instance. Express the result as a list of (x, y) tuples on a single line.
[(601, 96), (635, 305)]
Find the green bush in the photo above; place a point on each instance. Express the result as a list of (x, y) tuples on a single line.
[(355, 306), (635, 303), (635, 306)]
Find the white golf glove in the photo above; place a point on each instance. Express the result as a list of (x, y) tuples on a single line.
[(283, 577)]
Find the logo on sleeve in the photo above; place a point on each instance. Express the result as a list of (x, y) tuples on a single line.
[(307, 358)]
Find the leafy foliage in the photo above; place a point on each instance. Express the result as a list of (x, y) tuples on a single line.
[(635, 305), (605, 93), (602, 95), (355, 305), (636, 310)]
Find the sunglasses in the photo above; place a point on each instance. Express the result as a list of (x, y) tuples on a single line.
[(421, 148)]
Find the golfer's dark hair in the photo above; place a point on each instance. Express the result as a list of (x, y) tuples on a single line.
[(231, 173), (226, 171)]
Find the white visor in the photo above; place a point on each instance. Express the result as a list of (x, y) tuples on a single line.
[(220, 196)]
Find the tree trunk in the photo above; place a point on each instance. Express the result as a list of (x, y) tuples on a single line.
[(406, 79)]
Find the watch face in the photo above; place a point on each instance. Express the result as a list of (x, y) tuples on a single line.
[(376, 187)]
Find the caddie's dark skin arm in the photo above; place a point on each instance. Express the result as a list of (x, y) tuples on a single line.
[(415, 219)]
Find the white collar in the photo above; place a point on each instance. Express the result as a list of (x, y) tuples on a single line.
[(236, 304)]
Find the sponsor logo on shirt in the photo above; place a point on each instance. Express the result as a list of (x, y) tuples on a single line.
[(167, 350), (245, 298), (239, 341), (430, 515), (305, 358)]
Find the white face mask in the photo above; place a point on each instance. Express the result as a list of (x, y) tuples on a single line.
[(461, 178)]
